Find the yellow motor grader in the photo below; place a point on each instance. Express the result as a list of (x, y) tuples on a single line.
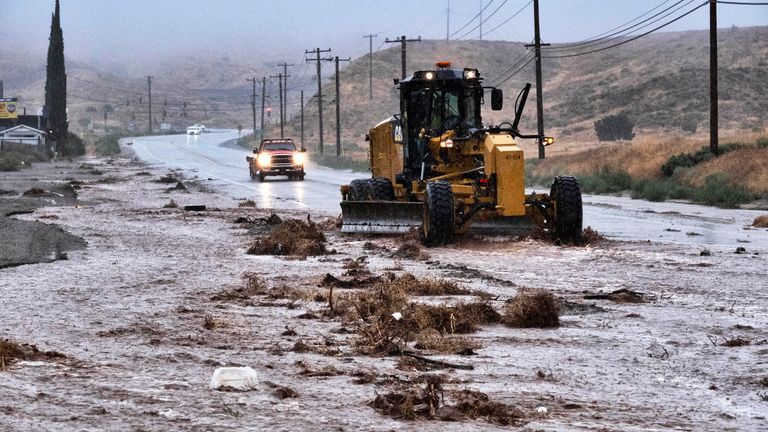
[(438, 167)]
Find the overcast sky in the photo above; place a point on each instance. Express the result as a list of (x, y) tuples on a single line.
[(104, 31)]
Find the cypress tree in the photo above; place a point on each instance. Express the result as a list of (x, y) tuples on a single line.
[(56, 86)]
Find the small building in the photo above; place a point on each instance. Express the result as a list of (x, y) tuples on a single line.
[(22, 137)]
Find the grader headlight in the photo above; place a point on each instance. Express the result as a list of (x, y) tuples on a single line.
[(546, 141), (429, 75), (470, 73)]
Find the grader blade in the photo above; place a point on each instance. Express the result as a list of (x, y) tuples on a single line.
[(380, 217)]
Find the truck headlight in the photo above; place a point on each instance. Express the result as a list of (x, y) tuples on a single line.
[(446, 144), (299, 158), (264, 159)]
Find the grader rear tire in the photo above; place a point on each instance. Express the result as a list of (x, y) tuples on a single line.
[(359, 190), (381, 189), (568, 214), (437, 223)]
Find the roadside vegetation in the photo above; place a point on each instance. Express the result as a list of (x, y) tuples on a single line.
[(107, 145), (18, 159), (658, 170)]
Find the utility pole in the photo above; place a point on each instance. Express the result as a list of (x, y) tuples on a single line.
[(370, 64), (403, 41), (253, 104), (448, 21), (263, 93), (285, 90), (149, 88), (317, 52), (1, 88), (480, 17), (338, 106), (280, 92), (302, 119), (713, 114), (105, 113), (539, 97)]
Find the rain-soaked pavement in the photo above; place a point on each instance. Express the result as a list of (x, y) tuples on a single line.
[(145, 314), (209, 157)]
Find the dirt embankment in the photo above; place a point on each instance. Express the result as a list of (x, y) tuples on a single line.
[(35, 241), (353, 332)]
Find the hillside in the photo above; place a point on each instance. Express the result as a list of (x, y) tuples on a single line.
[(660, 81)]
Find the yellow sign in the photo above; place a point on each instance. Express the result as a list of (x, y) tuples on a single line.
[(8, 108)]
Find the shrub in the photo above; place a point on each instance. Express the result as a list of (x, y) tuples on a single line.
[(72, 145), (718, 191), (17, 159), (108, 145), (651, 190), (692, 159), (606, 180), (341, 162), (762, 142), (615, 127)]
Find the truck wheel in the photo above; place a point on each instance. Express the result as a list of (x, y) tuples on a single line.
[(359, 190), (301, 177), (261, 176), (437, 223), (381, 189), (568, 214)]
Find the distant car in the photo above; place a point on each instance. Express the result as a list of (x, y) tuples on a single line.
[(194, 130), (200, 126), (277, 157)]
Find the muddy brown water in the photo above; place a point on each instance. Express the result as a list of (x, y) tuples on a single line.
[(129, 312)]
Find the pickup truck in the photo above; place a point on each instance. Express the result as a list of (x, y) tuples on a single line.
[(277, 157)]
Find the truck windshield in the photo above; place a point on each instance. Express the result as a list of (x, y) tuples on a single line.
[(279, 145)]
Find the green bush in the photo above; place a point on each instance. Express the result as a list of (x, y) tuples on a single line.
[(762, 142), (718, 191), (614, 127), (606, 180), (692, 159), (342, 162), (16, 159), (651, 190), (108, 145), (9, 162), (71, 146)]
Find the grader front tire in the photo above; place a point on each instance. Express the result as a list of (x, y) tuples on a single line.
[(437, 224), (568, 212)]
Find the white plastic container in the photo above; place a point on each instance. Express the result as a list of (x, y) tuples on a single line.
[(236, 378)]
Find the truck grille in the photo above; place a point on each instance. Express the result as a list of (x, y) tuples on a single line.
[(282, 159)]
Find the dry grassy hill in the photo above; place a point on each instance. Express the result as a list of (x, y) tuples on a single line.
[(660, 81)]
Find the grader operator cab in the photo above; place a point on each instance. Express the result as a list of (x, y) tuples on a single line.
[(437, 167)]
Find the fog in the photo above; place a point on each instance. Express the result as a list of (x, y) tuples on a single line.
[(139, 33)]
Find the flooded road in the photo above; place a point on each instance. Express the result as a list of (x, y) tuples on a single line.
[(208, 157), (622, 218)]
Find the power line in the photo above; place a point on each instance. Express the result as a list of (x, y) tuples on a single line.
[(510, 18), (527, 56), (607, 32), (532, 58), (472, 19), (633, 38), (486, 19), (613, 36)]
